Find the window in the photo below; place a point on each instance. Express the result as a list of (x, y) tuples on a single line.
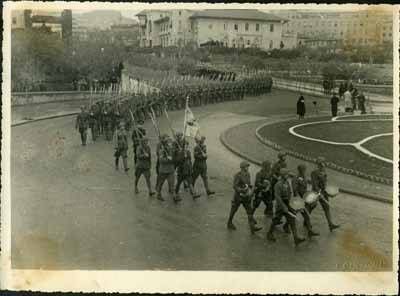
[(257, 27), (248, 42), (14, 20), (210, 26), (180, 13), (225, 26), (271, 27), (271, 44), (236, 27), (180, 26), (246, 26)]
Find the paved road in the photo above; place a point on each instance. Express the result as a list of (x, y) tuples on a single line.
[(72, 210)]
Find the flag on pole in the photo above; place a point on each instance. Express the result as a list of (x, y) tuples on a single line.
[(191, 127)]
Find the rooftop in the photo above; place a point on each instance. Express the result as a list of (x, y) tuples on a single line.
[(245, 14)]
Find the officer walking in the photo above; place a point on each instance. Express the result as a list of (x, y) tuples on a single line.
[(185, 170), (283, 194), (334, 105), (319, 180), (242, 196), (82, 121), (200, 164), (143, 164)]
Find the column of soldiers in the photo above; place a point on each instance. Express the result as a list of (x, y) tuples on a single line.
[(276, 184)]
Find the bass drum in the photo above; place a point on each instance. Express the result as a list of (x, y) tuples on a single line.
[(311, 197), (297, 203), (332, 190)]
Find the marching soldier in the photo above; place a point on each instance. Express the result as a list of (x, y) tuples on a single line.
[(138, 133), (242, 196), (107, 121), (277, 166), (262, 186), (166, 171), (200, 164), (185, 170), (81, 124), (299, 186), (121, 147), (93, 125), (318, 180), (143, 164), (283, 194)]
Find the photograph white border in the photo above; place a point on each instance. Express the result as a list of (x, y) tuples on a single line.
[(186, 281)]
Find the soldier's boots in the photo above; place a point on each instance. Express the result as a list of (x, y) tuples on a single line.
[(333, 226), (159, 197), (312, 233), (286, 228), (298, 240), (253, 227), (125, 162), (270, 236), (177, 198), (136, 190), (117, 163), (231, 226), (151, 193)]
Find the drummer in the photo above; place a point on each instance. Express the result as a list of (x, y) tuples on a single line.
[(283, 194), (299, 185), (319, 180)]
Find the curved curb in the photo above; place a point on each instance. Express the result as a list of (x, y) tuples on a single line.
[(223, 140), (331, 165), (23, 122)]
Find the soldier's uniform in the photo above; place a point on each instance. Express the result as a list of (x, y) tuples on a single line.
[(143, 164), (318, 181), (93, 125), (242, 196), (138, 133), (121, 147), (283, 194), (185, 170), (277, 166), (82, 121), (262, 186), (166, 171), (200, 164), (107, 121)]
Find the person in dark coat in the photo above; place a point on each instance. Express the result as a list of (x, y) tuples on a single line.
[(301, 107), (334, 105)]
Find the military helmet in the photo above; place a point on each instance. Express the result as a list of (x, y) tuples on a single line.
[(244, 164), (266, 164), (320, 160), (282, 154)]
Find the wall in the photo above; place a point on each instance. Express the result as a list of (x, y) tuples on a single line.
[(22, 98)]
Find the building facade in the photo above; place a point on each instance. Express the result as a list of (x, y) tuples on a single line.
[(238, 28), (364, 28)]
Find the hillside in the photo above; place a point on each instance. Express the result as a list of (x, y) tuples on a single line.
[(102, 19)]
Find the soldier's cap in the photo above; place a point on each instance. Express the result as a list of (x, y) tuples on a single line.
[(266, 163), (301, 167), (320, 160), (282, 154), (244, 164), (202, 138)]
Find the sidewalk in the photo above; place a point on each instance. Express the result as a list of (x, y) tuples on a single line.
[(315, 89), (256, 152)]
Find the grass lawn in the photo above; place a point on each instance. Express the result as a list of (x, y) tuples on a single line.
[(382, 146), (383, 116), (345, 156), (345, 132)]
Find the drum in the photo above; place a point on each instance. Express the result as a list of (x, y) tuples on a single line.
[(311, 197), (332, 190), (297, 203)]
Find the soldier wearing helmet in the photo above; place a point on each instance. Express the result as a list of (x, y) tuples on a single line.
[(276, 167), (242, 196), (200, 164), (121, 146), (299, 185), (262, 185), (318, 181), (283, 194), (143, 164)]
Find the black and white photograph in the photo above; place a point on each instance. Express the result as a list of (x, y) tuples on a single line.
[(225, 148)]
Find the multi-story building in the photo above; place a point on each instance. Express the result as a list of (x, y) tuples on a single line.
[(369, 27), (232, 28)]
